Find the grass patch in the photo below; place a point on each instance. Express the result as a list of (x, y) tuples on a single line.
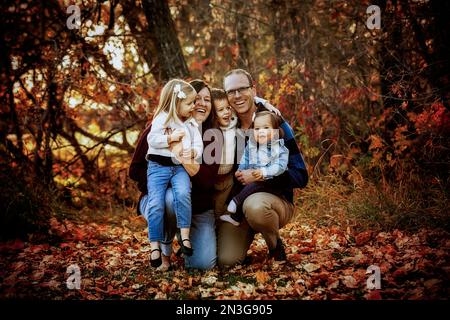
[(26, 205), (232, 279), (361, 204), (282, 282)]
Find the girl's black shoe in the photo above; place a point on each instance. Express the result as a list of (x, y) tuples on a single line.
[(155, 263), (185, 250)]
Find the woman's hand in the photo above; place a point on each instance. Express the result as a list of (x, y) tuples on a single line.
[(176, 147), (184, 157), (188, 154), (194, 154)]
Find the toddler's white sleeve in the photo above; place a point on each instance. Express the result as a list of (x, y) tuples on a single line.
[(156, 137)]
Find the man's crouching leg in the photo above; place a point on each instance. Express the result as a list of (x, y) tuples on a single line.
[(233, 243), (267, 213)]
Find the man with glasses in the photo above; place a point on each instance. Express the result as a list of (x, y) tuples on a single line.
[(264, 213)]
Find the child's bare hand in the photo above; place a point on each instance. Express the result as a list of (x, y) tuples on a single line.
[(257, 174), (177, 135)]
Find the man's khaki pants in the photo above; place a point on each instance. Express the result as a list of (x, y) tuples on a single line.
[(265, 213)]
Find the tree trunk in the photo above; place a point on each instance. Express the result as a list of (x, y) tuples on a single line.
[(389, 53), (289, 18), (162, 29), (146, 47), (242, 26), (277, 30), (437, 58)]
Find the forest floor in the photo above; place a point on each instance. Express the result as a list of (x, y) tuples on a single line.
[(112, 252)]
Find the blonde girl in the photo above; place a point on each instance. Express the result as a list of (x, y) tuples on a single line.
[(172, 123)]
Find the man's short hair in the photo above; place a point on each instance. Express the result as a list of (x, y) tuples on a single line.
[(218, 94), (239, 71)]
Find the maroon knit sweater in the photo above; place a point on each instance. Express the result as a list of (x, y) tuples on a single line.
[(202, 182)]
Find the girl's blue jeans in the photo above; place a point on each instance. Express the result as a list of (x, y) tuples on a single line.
[(203, 234), (158, 179)]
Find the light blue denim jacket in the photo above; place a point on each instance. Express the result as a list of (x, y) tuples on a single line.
[(271, 158)]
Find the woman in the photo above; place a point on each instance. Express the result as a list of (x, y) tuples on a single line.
[(203, 234)]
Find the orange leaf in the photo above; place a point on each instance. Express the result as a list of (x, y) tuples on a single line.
[(262, 277), (376, 142)]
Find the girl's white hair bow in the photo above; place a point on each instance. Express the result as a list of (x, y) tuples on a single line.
[(180, 94)]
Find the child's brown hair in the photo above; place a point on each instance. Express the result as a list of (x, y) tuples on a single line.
[(275, 119), (216, 95)]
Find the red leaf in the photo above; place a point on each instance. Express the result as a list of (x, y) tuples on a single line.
[(306, 250), (363, 238), (374, 295)]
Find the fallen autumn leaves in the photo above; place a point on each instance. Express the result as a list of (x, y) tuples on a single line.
[(323, 263)]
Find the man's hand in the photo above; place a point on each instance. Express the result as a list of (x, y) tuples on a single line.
[(271, 108), (245, 176)]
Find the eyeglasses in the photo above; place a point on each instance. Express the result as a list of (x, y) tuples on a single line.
[(232, 93)]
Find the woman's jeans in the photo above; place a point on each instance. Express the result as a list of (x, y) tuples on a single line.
[(202, 235), (158, 179)]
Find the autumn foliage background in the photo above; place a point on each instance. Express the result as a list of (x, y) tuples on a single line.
[(370, 109)]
